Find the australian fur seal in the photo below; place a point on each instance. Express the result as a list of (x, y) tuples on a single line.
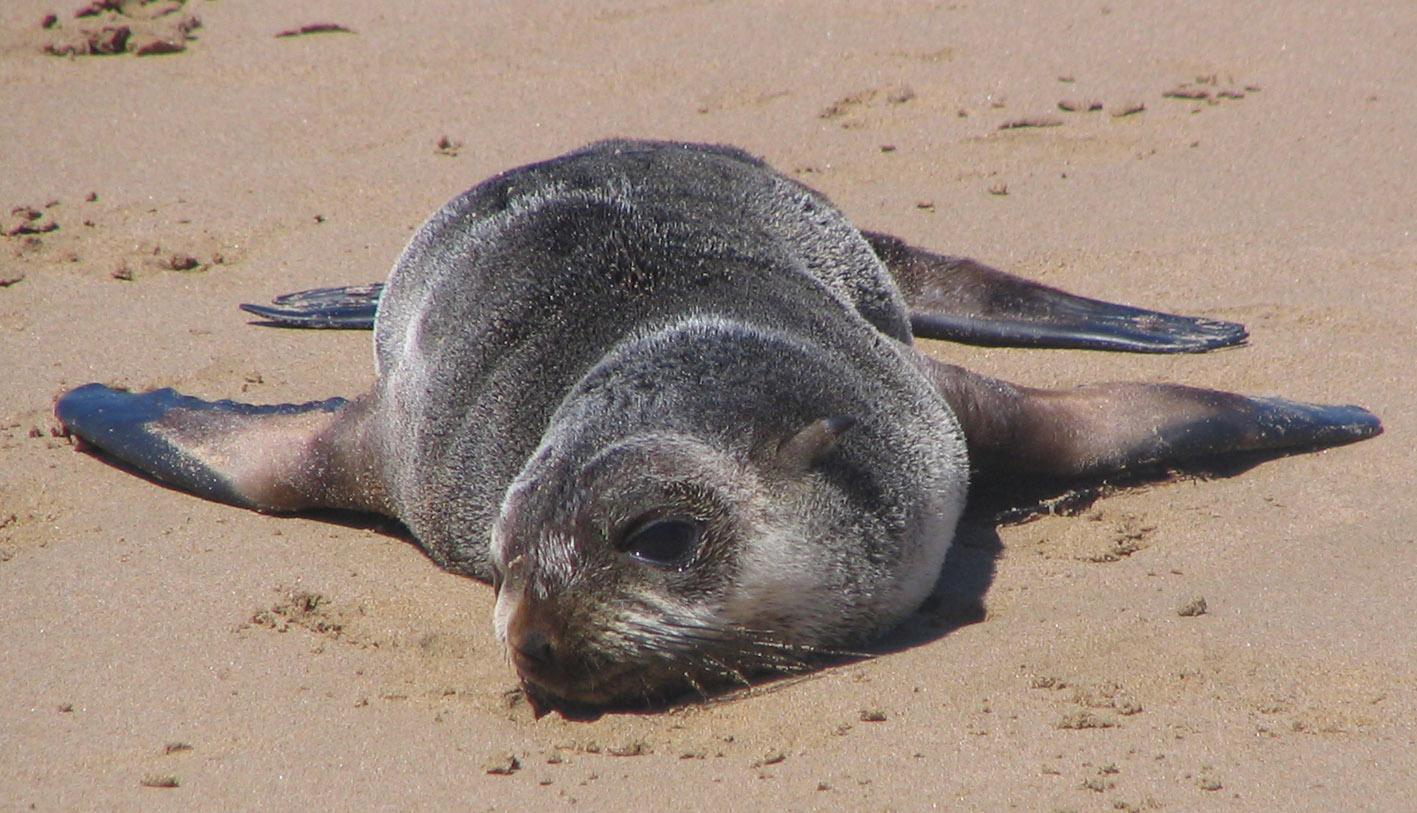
[(666, 400)]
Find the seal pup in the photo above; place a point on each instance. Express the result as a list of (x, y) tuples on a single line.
[(667, 401)]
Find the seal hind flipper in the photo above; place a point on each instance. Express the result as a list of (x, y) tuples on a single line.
[(279, 457), (1102, 429), (351, 307), (962, 300)]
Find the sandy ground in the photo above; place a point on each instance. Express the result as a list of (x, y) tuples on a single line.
[(149, 638)]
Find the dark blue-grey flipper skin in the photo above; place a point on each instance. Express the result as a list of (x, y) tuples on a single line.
[(277, 457), (962, 300), (950, 298), (1102, 429), (345, 308)]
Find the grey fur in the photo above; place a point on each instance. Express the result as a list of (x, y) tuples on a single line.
[(506, 298), (638, 290)]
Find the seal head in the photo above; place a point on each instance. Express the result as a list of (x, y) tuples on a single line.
[(658, 540)]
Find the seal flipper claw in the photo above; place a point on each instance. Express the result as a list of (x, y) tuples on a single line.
[(279, 457), (961, 300), (350, 307)]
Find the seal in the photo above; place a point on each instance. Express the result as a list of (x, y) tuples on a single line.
[(668, 402)]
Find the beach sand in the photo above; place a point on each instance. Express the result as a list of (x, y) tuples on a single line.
[(1249, 161)]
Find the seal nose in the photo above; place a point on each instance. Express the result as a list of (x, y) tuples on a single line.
[(532, 639), (535, 647)]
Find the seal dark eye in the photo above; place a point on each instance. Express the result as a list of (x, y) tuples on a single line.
[(663, 542)]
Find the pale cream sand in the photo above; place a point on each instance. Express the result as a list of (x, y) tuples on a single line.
[(149, 638)]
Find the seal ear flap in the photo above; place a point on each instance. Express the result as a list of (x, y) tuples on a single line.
[(799, 452)]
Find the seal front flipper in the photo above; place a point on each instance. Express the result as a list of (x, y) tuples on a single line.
[(1102, 429), (349, 308), (279, 457), (961, 300)]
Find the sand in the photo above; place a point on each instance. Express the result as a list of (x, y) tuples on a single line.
[(1249, 161)]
